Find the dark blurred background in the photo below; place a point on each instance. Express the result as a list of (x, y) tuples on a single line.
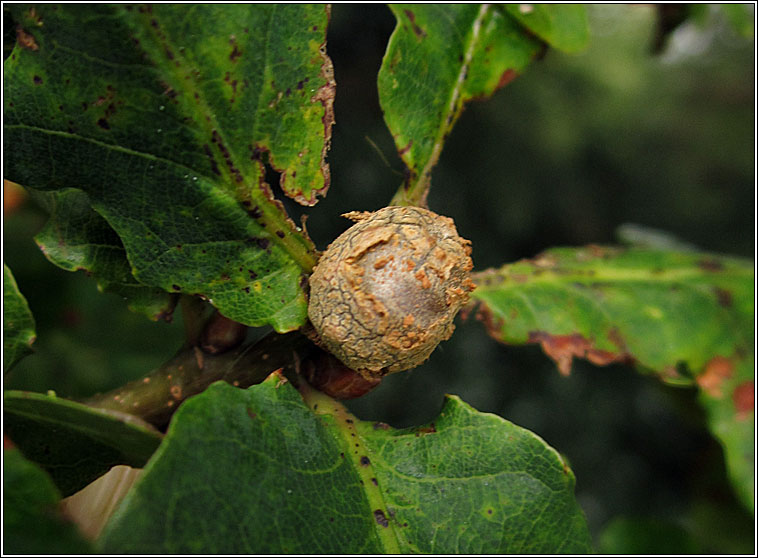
[(564, 155)]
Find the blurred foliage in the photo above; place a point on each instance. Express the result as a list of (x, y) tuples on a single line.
[(87, 341), (645, 536), (565, 154), (32, 519)]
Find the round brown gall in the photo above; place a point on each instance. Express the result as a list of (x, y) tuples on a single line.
[(386, 291)]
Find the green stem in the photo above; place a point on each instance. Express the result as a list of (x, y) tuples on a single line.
[(411, 193)]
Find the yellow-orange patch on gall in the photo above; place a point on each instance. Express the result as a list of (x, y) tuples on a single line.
[(714, 374), (421, 276)]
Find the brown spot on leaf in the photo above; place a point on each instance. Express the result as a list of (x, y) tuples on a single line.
[(216, 139), (508, 76), (103, 123), (744, 399), (380, 518), (405, 149), (235, 54), (431, 429), (716, 372), (25, 40), (723, 297), (365, 461), (493, 324), (420, 33), (563, 348), (37, 80), (710, 265), (209, 153), (255, 212)]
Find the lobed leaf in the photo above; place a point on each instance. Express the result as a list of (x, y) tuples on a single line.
[(279, 476), (75, 443), (18, 322), (687, 316), (76, 238), (166, 117), (439, 57), (32, 521)]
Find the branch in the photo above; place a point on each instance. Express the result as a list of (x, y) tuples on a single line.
[(155, 397)]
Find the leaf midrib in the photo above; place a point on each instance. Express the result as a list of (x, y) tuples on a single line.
[(453, 105), (605, 274), (342, 426), (294, 243)]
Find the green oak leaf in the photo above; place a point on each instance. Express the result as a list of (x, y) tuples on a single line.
[(32, 521), (166, 116), (439, 57), (76, 238), (75, 443), (279, 473), (562, 26), (18, 322), (687, 316)]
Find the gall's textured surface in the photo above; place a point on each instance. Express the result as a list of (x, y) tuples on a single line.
[(385, 292)]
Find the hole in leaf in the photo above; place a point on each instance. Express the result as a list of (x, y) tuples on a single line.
[(272, 177)]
